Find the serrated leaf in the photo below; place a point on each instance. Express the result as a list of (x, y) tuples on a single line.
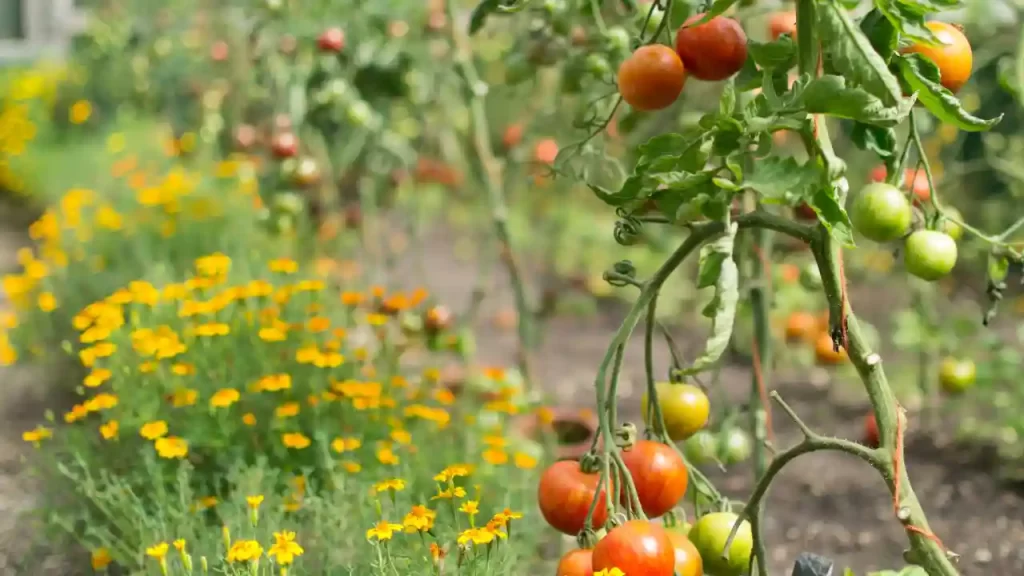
[(727, 101), (907, 20), (679, 180), (832, 215), (830, 95), (629, 191), (679, 13), (777, 178), (718, 268), (922, 76), (780, 54), (717, 9), (881, 141), (478, 17), (854, 56), (662, 145), (881, 32)]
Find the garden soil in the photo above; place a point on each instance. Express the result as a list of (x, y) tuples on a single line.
[(825, 503)]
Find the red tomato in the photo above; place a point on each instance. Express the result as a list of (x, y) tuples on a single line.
[(546, 151), (713, 51), (782, 23), (578, 562), (805, 212), (513, 135), (636, 547), (688, 560), (284, 145), (219, 51), (871, 430), (331, 40), (660, 476), (953, 55), (565, 493), (915, 181), (651, 78)]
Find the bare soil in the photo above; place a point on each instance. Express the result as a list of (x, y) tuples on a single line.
[(823, 503)]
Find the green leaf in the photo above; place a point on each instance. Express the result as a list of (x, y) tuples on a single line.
[(727, 102), (922, 76), (881, 32), (679, 180), (662, 145), (830, 95), (478, 17), (881, 141), (718, 268), (780, 54), (782, 178), (905, 20), (717, 9), (629, 191), (832, 215), (678, 15), (854, 56), (725, 184)]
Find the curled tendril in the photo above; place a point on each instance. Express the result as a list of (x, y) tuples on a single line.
[(625, 436), (625, 268), (627, 228)]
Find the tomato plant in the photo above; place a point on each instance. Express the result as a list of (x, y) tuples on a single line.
[(659, 474), (881, 212), (565, 494), (781, 23), (951, 53), (652, 78), (870, 437), (636, 547)]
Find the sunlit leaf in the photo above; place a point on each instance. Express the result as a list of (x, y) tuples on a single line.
[(717, 268), (922, 76), (854, 56), (830, 95)]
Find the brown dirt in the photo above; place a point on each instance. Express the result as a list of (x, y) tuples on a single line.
[(823, 503)]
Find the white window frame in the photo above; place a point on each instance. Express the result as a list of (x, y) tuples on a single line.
[(48, 27)]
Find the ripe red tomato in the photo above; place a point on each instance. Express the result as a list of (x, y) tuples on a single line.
[(714, 50), (636, 547), (565, 493), (245, 136), (688, 560), (953, 57), (579, 562), (331, 40), (825, 352), (871, 430), (513, 136), (284, 145), (651, 78), (801, 326), (929, 254), (685, 408), (660, 476), (546, 151), (782, 23), (219, 51)]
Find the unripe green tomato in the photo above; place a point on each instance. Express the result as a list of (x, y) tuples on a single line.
[(736, 447), (289, 203), (930, 254), (655, 21), (955, 231), (701, 448), (618, 39), (710, 534), (287, 169), (518, 69), (881, 212), (598, 66), (810, 277), (956, 375)]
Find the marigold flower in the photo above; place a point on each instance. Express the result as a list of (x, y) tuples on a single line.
[(153, 430), (37, 434), (524, 461), (109, 429), (454, 471), (295, 440), (419, 519), (101, 559), (97, 377), (285, 549), (254, 501), (158, 551), (249, 419), (245, 551), (383, 531), (171, 447), (495, 456), (287, 410), (456, 492), (395, 485), (476, 536), (225, 397)]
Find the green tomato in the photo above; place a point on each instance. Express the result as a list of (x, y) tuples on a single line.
[(956, 375), (701, 448), (930, 254), (709, 535), (881, 212), (598, 66), (736, 447), (955, 231), (810, 277), (618, 39)]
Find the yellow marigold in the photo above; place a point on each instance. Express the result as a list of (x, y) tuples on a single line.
[(153, 430), (495, 456), (80, 112), (179, 544), (249, 419), (47, 302), (171, 447), (477, 536), (402, 437), (295, 440), (284, 266), (345, 444), (78, 411), (254, 501), (285, 549), (287, 410), (387, 456), (37, 434), (101, 559), (224, 397), (213, 329), (450, 493), (394, 484), (109, 429), (383, 531), (470, 507), (419, 519), (245, 551), (100, 402), (184, 397), (318, 324), (274, 383), (454, 471), (506, 516), (158, 551)]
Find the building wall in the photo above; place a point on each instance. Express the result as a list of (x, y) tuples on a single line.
[(46, 26)]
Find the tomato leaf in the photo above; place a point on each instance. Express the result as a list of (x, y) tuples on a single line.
[(629, 191), (881, 33), (679, 180), (678, 15), (717, 268), (881, 141), (830, 95), (906, 20), (832, 215), (727, 102), (854, 56), (717, 9), (782, 179), (922, 76), (780, 54)]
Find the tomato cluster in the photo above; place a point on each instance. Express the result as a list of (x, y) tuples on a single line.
[(652, 78)]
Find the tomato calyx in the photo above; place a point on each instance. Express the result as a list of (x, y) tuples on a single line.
[(625, 436), (590, 463)]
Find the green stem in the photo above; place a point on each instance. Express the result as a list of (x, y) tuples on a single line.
[(927, 352), (493, 183), (760, 378)]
